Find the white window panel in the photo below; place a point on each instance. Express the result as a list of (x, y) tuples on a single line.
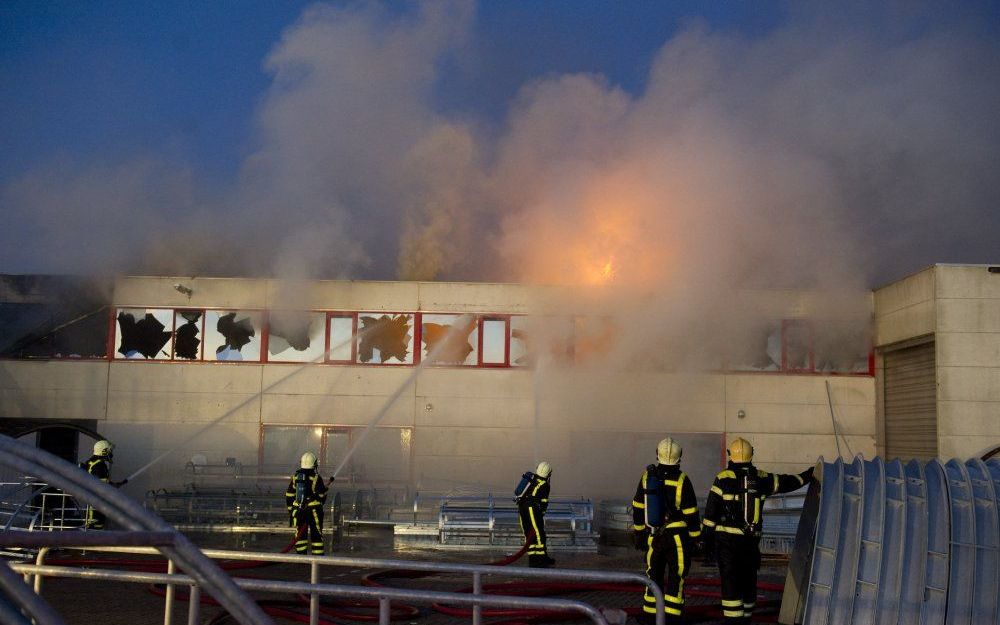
[(450, 339), (296, 337)]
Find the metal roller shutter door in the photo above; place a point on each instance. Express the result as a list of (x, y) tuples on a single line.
[(911, 403)]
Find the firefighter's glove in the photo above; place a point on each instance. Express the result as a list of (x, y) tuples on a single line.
[(807, 475), (640, 539)]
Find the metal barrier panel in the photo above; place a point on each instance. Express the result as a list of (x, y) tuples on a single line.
[(893, 545), (870, 546), (985, 511), (849, 545), (824, 561), (993, 471), (963, 545), (932, 611), (914, 575)]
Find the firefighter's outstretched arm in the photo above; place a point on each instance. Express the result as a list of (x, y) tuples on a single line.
[(779, 483)]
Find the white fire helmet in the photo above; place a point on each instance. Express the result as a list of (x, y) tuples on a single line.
[(308, 460), (740, 450), (103, 448), (668, 451), (544, 469)]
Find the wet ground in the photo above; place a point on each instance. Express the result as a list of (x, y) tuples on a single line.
[(88, 602)]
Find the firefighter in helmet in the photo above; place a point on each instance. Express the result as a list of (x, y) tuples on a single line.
[(665, 523), (732, 526), (99, 465), (532, 497), (305, 498)]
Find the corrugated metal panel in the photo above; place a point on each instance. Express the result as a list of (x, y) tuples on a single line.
[(910, 403), (895, 545)]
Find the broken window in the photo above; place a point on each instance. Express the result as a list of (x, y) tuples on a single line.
[(145, 333), (797, 345), (296, 336), (550, 337), (187, 336), (494, 350), (843, 347), (450, 339), (519, 341), (232, 335), (341, 338), (385, 338), (54, 317), (757, 348)]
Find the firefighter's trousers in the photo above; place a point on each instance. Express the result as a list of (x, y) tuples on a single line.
[(739, 560), (533, 522), (668, 560), (309, 530)]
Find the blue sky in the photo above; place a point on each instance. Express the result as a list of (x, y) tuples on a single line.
[(102, 79), (783, 143)]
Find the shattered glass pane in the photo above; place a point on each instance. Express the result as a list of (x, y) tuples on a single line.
[(797, 345), (232, 335), (187, 336), (757, 348), (842, 346), (494, 341), (296, 336), (341, 338), (450, 339), (145, 333), (519, 341), (385, 338)]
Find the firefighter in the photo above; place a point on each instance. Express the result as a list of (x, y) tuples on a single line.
[(732, 526), (305, 498), (666, 526), (532, 497), (99, 465)]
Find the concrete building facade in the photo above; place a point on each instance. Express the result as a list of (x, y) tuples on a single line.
[(471, 422)]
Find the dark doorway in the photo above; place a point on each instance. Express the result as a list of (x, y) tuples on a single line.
[(62, 442)]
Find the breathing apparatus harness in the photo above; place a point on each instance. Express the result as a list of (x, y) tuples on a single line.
[(521, 494), (663, 513), (744, 509)]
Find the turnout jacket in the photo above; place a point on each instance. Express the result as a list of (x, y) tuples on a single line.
[(735, 502), (536, 493), (313, 494), (679, 501), (99, 467)]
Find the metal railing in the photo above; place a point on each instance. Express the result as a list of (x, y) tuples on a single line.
[(131, 516), (476, 599)]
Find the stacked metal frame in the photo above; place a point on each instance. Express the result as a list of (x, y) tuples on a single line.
[(887, 544)]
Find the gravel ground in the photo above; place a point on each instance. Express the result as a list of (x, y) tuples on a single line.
[(87, 602)]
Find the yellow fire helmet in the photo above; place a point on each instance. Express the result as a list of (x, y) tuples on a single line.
[(669, 451), (544, 469), (740, 450)]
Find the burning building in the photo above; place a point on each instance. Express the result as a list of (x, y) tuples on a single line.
[(458, 387)]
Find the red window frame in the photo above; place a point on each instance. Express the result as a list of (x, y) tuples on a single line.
[(354, 338), (506, 343)]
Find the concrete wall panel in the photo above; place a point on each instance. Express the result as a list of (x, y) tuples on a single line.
[(334, 409), (475, 298), (971, 418), (800, 389), (968, 383), (967, 282), (52, 404), (803, 449), (966, 446), (175, 377), (226, 293), (474, 412), (801, 419), (336, 380), (967, 349), (458, 382), (146, 406), (468, 443), (345, 295), (968, 315)]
